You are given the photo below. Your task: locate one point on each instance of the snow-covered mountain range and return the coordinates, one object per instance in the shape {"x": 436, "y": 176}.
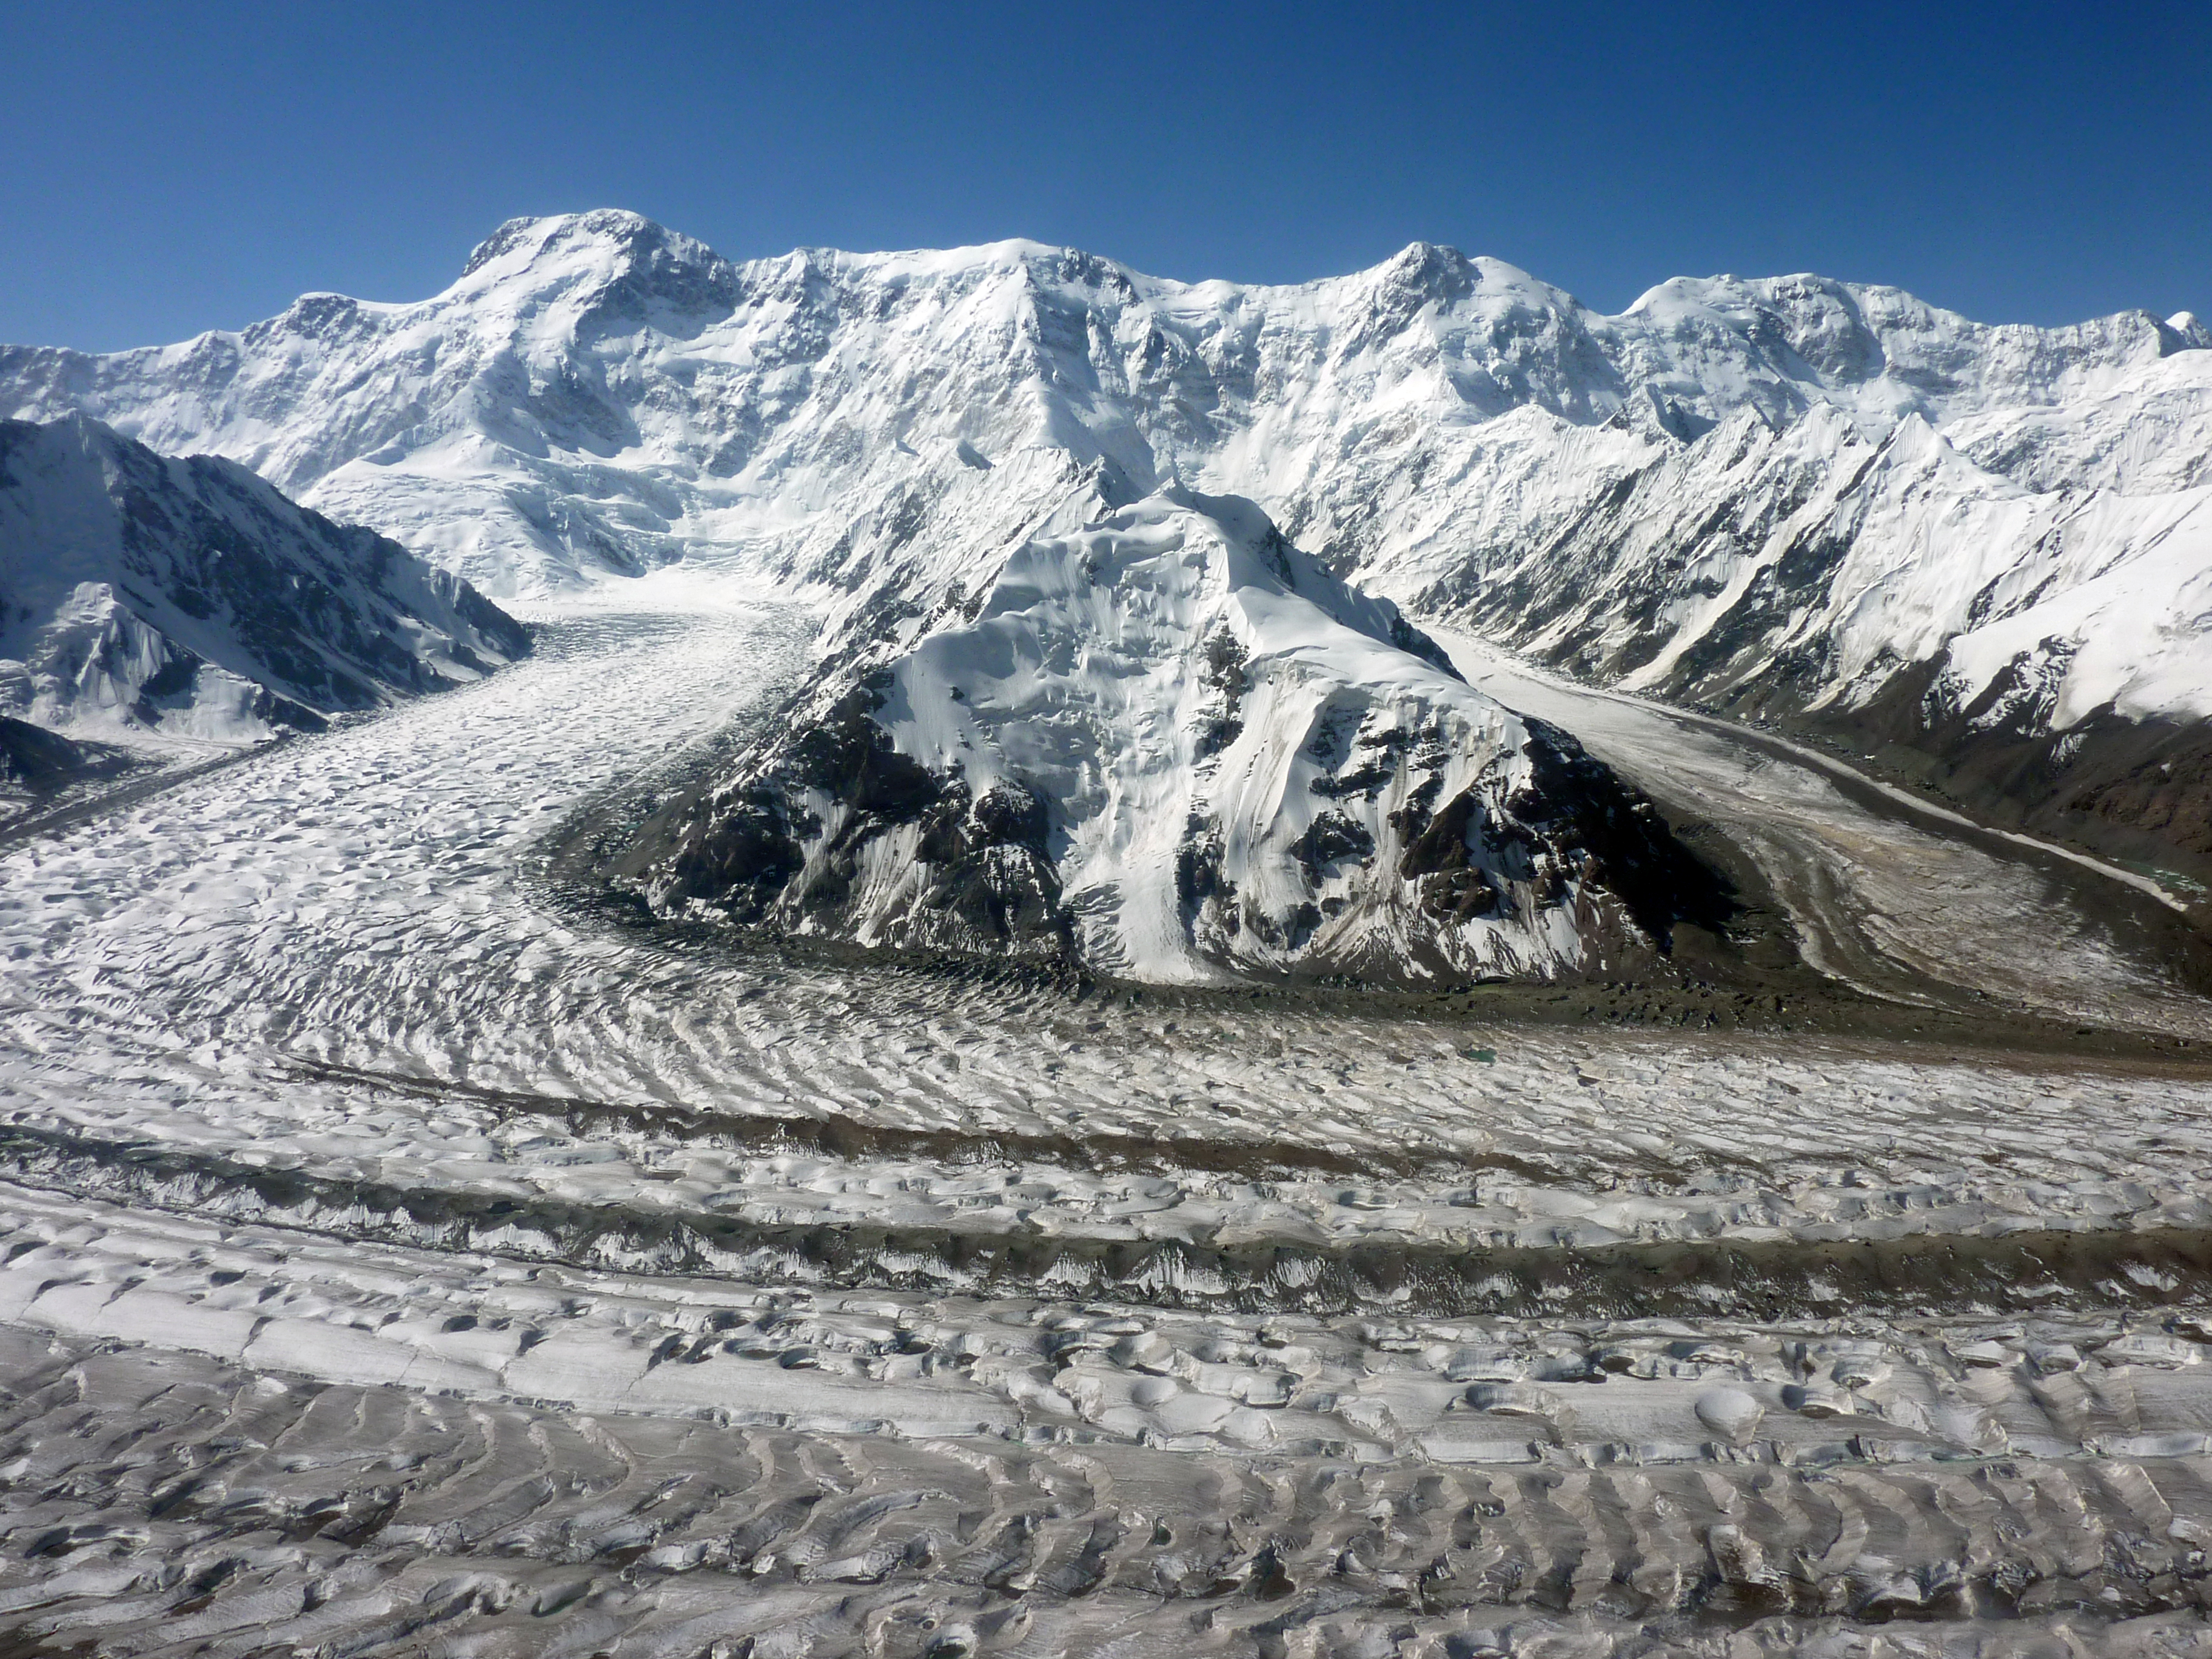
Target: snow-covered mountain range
{"x": 142, "y": 594}
{"x": 1815, "y": 501}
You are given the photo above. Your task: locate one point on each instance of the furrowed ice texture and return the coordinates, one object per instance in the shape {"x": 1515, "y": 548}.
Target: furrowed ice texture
{"x": 1169, "y": 746}
{"x": 188, "y": 597}
{"x": 403, "y": 1251}
{"x": 396, "y": 1257}
{"x": 1822, "y": 502}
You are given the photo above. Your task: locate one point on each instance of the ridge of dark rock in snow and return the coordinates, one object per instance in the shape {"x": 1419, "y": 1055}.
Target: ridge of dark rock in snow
{"x": 1169, "y": 746}
{"x": 139, "y": 591}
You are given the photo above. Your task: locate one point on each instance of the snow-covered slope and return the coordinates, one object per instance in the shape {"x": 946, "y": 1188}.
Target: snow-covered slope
{"x": 138, "y": 592}
{"x": 2044, "y": 653}
{"x": 1169, "y": 746}
{"x": 598, "y": 394}
{"x": 1786, "y": 569}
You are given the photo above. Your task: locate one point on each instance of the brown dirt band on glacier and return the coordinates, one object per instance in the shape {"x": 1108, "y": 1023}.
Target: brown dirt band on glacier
{"x": 2027, "y": 1270}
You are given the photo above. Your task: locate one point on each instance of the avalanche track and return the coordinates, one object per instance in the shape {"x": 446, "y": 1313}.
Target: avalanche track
{"x": 400, "y": 1257}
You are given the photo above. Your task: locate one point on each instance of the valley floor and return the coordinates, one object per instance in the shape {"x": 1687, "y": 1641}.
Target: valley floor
{"x": 403, "y": 1256}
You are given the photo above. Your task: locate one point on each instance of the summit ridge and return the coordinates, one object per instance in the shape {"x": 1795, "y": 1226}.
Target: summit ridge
{"x": 1795, "y": 499}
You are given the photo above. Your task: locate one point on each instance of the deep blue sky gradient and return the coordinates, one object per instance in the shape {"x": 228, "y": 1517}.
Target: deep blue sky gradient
{"x": 171, "y": 167}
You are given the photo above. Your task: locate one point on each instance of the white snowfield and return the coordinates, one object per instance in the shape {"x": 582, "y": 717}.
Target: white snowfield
{"x": 598, "y": 394}
{"x": 188, "y": 601}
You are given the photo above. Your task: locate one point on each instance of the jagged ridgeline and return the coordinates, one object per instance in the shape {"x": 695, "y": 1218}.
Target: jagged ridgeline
{"x": 1167, "y": 745}
{"x": 1978, "y": 548}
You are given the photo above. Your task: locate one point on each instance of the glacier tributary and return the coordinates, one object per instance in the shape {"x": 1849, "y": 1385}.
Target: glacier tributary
{"x": 1885, "y": 892}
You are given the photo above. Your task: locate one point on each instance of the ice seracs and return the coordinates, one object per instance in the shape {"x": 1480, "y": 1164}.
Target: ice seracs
{"x": 1169, "y": 746}
{"x": 140, "y": 593}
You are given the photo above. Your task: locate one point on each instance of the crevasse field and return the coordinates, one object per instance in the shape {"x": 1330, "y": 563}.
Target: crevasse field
{"x": 406, "y": 1252}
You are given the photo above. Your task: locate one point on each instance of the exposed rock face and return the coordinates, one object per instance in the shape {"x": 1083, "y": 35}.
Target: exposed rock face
{"x": 33, "y": 759}
{"x": 37, "y": 765}
{"x": 1169, "y": 746}
{"x": 189, "y": 596}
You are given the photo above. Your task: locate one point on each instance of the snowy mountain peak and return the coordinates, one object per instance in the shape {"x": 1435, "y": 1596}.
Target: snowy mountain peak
{"x": 591, "y": 272}
{"x": 603, "y": 234}
{"x": 1444, "y": 273}
{"x": 1169, "y": 746}
{"x": 598, "y": 394}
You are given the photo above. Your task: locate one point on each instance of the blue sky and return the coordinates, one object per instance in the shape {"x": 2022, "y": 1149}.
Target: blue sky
{"x": 176, "y": 167}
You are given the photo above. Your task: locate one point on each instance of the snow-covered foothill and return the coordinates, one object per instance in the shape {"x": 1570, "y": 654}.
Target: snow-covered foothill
{"x": 1170, "y": 747}
{"x": 142, "y": 594}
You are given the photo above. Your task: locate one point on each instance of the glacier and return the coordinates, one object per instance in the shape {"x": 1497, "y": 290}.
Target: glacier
{"x": 398, "y": 1249}
{"x": 408, "y": 1241}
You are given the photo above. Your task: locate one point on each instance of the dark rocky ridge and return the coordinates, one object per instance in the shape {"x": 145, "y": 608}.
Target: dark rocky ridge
{"x": 125, "y": 574}
{"x": 36, "y": 760}
{"x": 754, "y": 852}
{"x": 2139, "y": 792}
